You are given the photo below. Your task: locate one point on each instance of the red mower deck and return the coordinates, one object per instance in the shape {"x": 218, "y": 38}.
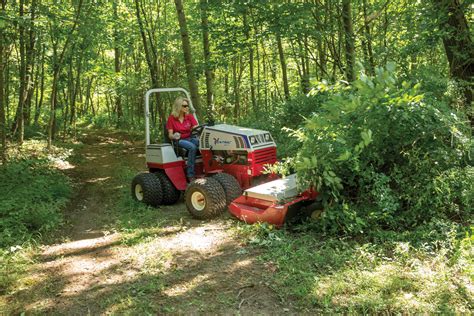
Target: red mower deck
{"x": 269, "y": 202}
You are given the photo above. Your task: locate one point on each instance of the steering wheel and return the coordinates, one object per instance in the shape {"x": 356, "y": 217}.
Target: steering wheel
{"x": 197, "y": 130}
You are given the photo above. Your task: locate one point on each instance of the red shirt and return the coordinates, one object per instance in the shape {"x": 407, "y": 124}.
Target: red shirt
{"x": 183, "y": 128}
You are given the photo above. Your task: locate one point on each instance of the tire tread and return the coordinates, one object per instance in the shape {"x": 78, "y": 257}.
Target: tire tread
{"x": 231, "y": 186}
{"x": 215, "y": 197}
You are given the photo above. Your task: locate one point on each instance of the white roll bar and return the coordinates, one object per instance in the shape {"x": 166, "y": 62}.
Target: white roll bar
{"x": 147, "y": 107}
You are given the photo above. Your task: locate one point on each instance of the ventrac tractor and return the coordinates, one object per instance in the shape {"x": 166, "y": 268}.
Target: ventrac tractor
{"x": 229, "y": 172}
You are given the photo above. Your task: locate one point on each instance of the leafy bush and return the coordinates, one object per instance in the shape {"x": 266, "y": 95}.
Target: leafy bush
{"x": 383, "y": 158}
{"x": 32, "y": 196}
{"x": 288, "y": 115}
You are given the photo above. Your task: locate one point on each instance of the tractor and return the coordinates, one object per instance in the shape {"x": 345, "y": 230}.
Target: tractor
{"x": 229, "y": 173}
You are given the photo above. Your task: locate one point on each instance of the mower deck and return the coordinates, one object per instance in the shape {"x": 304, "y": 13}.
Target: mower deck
{"x": 277, "y": 190}
{"x": 268, "y": 202}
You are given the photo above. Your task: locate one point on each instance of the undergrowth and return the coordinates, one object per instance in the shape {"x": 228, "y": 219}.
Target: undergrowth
{"x": 424, "y": 271}
{"x": 34, "y": 193}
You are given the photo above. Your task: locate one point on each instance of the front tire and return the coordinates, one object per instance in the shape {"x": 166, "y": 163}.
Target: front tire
{"x": 205, "y": 198}
{"x": 231, "y": 186}
{"x": 146, "y": 188}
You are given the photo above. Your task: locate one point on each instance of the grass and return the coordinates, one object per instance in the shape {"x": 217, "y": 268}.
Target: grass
{"x": 337, "y": 275}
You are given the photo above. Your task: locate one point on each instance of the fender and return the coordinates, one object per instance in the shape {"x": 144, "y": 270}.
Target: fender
{"x": 177, "y": 177}
{"x": 174, "y": 171}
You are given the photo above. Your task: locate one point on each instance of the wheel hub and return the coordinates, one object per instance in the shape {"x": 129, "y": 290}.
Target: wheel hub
{"x": 139, "y": 192}
{"x": 198, "y": 201}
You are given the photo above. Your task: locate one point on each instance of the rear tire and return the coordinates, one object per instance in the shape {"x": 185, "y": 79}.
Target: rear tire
{"x": 146, "y": 188}
{"x": 231, "y": 186}
{"x": 205, "y": 198}
{"x": 170, "y": 193}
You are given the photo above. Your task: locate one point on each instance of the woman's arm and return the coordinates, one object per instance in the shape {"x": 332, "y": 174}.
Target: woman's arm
{"x": 170, "y": 133}
{"x": 194, "y": 123}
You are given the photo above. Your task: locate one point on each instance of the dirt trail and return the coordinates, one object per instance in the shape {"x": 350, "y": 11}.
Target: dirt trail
{"x": 185, "y": 266}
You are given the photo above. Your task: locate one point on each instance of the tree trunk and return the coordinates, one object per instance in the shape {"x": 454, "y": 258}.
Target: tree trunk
{"x": 151, "y": 62}
{"x": 284, "y": 75}
{"x": 57, "y": 65}
{"x": 30, "y": 63}
{"x": 368, "y": 40}
{"x": 349, "y": 39}
{"x": 193, "y": 87}
{"x": 207, "y": 59}
{"x": 76, "y": 90}
{"x": 117, "y": 53}
{"x": 251, "y": 65}
{"x": 305, "y": 86}
{"x": 41, "y": 89}
{"x": 459, "y": 48}
{"x": 18, "y": 124}
{"x": 3, "y": 131}
{"x": 235, "y": 90}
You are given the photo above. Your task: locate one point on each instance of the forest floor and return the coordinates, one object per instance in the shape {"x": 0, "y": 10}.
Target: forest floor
{"x": 114, "y": 256}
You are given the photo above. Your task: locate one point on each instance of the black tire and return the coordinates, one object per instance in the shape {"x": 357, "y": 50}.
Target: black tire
{"x": 170, "y": 193}
{"x": 231, "y": 186}
{"x": 146, "y": 188}
{"x": 205, "y": 198}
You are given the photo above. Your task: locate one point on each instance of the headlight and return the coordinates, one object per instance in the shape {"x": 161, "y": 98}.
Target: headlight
{"x": 253, "y": 140}
{"x": 268, "y": 137}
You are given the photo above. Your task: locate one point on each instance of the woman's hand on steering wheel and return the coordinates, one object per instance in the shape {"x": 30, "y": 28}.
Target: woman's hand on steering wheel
{"x": 197, "y": 130}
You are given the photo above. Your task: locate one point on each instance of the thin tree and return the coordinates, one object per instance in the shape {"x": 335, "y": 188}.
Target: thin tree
{"x": 459, "y": 48}
{"x": 348, "y": 39}
{"x": 207, "y": 57}
{"x": 57, "y": 66}
{"x": 284, "y": 75}
{"x": 117, "y": 66}
{"x": 368, "y": 40}
{"x": 151, "y": 59}
{"x": 193, "y": 87}
{"x": 3, "y": 132}
{"x": 18, "y": 124}
{"x": 251, "y": 63}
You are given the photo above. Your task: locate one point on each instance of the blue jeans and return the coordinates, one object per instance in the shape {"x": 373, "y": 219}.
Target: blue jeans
{"x": 192, "y": 146}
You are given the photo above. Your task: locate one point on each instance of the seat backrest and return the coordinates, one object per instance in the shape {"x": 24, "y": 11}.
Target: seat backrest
{"x": 166, "y": 138}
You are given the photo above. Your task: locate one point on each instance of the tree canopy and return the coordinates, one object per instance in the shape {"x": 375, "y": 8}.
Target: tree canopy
{"x": 68, "y": 62}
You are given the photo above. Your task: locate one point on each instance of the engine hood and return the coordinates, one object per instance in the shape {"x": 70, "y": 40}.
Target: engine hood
{"x": 231, "y": 137}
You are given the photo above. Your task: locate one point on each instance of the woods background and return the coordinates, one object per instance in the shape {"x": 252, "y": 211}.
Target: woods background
{"x": 64, "y": 62}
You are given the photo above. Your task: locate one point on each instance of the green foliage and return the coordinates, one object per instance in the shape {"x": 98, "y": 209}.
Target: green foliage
{"x": 288, "y": 116}
{"x": 382, "y": 158}
{"x": 33, "y": 194}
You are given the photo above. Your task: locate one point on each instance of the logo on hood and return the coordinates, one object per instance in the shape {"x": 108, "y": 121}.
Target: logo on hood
{"x": 217, "y": 141}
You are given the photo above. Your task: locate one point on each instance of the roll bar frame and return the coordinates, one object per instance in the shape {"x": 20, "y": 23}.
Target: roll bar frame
{"x": 147, "y": 107}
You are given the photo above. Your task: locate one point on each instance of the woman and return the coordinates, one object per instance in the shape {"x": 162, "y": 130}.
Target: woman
{"x": 179, "y": 126}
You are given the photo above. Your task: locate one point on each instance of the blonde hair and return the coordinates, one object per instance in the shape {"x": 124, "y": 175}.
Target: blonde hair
{"x": 178, "y": 105}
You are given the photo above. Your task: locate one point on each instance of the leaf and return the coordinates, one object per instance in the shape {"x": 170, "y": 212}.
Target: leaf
{"x": 346, "y": 155}
{"x": 366, "y": 137}
{"x": 391, "y": 66}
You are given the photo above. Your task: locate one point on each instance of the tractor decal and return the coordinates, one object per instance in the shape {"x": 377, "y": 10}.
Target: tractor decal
{"x": 217, "y": 141}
